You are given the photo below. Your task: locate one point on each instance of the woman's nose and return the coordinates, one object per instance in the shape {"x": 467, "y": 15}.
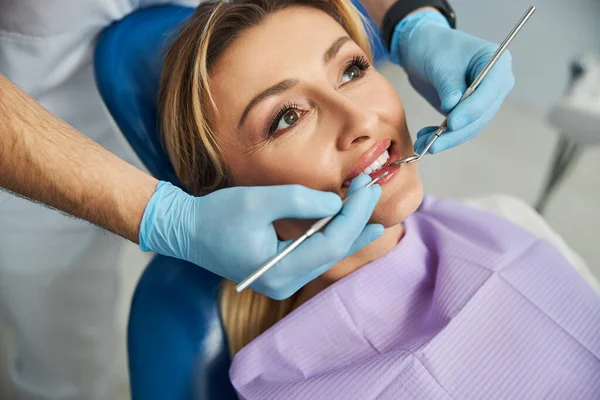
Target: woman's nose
{"x": 356, "y": 122}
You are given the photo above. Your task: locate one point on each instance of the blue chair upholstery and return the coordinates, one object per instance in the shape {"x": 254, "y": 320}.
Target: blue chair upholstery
{"x": 128, "y": 63}
{"x": 176, "y": 344}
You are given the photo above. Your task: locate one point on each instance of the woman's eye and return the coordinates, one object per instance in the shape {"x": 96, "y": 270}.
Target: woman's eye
{"x": 351, "y": 73}
{"x": 288, "y": 119}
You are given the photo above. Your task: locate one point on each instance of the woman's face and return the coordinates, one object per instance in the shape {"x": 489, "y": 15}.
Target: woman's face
{"x": 299, "y": 103}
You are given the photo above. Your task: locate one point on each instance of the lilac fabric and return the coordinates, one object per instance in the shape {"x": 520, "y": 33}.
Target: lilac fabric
{"x": 466, "y": 306}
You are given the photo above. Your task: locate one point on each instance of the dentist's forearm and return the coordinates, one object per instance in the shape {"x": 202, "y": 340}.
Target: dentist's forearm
{"x": 46, "y": 160}
{"x": 378, "y": 8}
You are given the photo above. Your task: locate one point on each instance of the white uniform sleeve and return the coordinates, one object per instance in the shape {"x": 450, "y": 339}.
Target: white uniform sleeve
{"x": 520, "y": 213}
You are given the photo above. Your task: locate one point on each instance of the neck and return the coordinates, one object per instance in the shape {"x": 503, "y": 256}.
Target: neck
{"x": 376, "y": 249}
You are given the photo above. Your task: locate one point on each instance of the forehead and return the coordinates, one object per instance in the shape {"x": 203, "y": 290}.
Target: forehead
{"x": 287, "y": 44}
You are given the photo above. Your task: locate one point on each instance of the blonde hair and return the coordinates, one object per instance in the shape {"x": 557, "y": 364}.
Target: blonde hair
{"x": 187, "y": 110}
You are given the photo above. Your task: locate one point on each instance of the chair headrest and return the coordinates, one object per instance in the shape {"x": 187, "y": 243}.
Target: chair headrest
{"x": 128, "y": 63}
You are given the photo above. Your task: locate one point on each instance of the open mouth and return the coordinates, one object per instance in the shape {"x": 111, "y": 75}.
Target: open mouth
{"x": 378, "y": 166}
{"x": 378, "y": 163}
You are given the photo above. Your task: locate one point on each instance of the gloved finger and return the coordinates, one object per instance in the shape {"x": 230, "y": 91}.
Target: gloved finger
{"x": 334, "y": 242}
{"x": 369, "y": 234}
{"x": 450, "y": 85}
{"x": 451, "y": 139}
{"x": 345, "y": 228}
{"x": 423, "y": 137}
{"x": 322, "y": 248}
{"x": 358, "y": 182}
{"x": 496, "y": 85}
{"x": 295, "y": 201}
{"x": 426, "y": 89}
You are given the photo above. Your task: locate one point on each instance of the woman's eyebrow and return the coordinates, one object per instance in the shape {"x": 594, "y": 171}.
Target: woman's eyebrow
{"x": 272, "y": 91}
{"x": 334, "y": 49}
{"x": 287, "y": 84}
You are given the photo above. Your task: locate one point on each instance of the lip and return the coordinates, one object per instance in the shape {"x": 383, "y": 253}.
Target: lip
{"x": 394, "y": 156}
{"x": 368, "y": 157}
{"x": 391, "y": 171}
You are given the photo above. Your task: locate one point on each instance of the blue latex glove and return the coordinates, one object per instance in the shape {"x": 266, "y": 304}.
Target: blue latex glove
{"x": 441, "y": 62}
{"x": 230, "y": 232}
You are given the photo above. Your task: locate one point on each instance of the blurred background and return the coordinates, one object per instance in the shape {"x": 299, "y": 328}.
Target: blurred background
{"x": 511, "y": 156}
{"x": 559, "y": 31}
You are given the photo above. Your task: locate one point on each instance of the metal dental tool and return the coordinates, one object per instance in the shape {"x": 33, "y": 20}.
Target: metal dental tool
{"x": 416, "y": 157}
{"x": 316, "y": 227}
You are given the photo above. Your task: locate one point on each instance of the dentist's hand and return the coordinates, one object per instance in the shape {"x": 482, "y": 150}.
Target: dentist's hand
{"x": 441, "y": 63}
{"x": 230, "y": 232}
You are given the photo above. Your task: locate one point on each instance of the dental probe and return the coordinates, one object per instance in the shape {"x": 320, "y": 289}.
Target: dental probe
{"x": 416, "y": 157}
{"x": 316, "y": 227}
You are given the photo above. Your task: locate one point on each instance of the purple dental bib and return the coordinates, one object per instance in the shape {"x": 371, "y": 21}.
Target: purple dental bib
{"x": 466, "y": 306}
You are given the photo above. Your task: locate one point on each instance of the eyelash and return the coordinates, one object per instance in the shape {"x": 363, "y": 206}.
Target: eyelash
{"x": 360, "y": 62}
{"x": 279, "y": 115}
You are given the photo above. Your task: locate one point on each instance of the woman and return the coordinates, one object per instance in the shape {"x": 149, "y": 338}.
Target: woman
{"x": 305, "y": 106}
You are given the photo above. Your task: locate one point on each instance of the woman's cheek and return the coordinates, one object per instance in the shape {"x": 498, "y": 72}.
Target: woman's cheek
{"x": 394, "y": 111}
{"x": 283, "y": 170}
{"x": 387, "y": 103}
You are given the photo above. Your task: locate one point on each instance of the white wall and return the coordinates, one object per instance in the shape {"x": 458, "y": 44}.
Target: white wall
{"x": 557, "y": 32}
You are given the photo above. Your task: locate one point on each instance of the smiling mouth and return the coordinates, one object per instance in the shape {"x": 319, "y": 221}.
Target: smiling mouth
{"x": 380, "y": 165}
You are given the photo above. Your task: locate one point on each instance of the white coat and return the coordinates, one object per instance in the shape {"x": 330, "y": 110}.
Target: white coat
{"x": 57, "y": 275}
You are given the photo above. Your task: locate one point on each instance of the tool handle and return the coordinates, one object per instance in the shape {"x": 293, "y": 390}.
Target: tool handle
{"x": 259, "y": 272}
{"x": 501, "y": 49}
{"x": 316, "y": 227}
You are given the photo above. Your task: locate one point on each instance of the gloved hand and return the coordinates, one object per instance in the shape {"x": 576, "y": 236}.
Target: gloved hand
{"x": 230, "y": 232}
{"x": 441, "y": 62}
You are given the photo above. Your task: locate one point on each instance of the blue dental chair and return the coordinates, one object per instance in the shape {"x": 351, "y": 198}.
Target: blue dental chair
{"x": 176, "y": 343}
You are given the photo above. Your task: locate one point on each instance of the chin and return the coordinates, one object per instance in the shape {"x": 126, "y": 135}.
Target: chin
{"x": 399, "y": 199}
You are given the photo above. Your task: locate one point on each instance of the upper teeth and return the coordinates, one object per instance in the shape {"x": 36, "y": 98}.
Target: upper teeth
{"x": 377, "y": 164}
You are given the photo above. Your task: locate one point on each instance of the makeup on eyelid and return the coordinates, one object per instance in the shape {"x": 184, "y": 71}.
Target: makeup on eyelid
{"x": 358, "y": 64}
